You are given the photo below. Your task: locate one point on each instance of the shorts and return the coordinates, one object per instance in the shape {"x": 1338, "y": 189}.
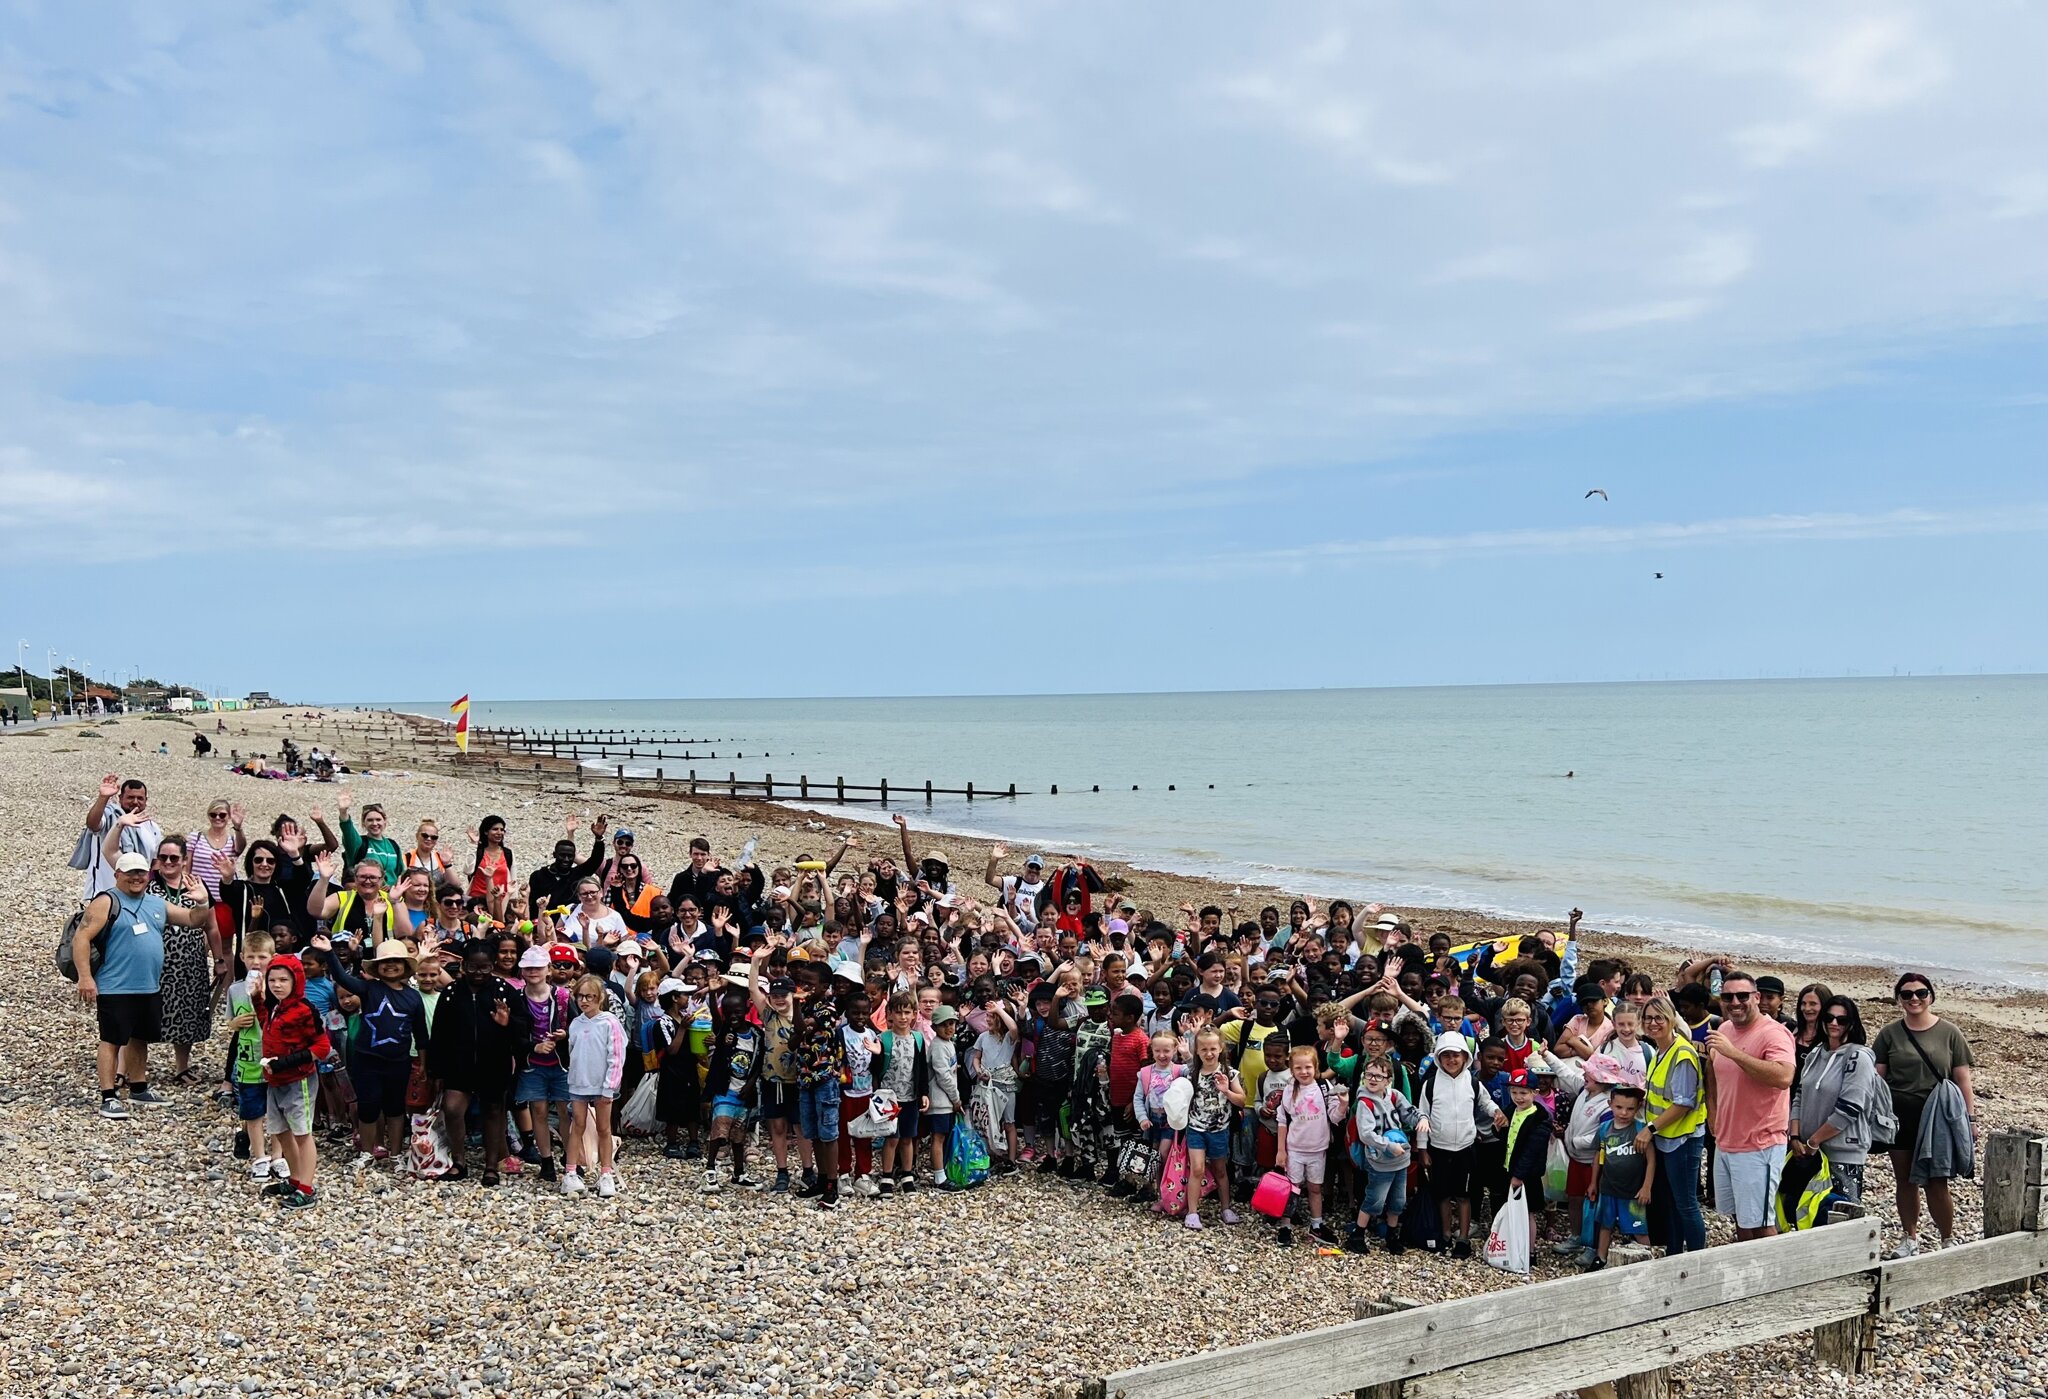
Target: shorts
{"x": 590, "y": 1099}
{"x": 1578, "y": 1180}
{"x": 727, "y": 1105}
{"x": 542, "y": 1083}
{"x": 1450, "y": 1173}
{"x": 817, "y": 1111}
{"x": 252, "y": 1100}
{"x": 127, "y": 1018}
{"x": 907, "y": 1118}
{"x": 380, "y": 1087}
{"x": 1214, "y": 1146}
{"x": 1306, "y": 1169}
{"x": 777, "y": 1101}
{"x": 936, "y": 1124}
{"x": 1625, "y": 1217}
{"x": 1908, "y": 1135}
{"x": 1386, "y": 1192}
{"x": 1746, "y": 1185}
{"x": 1041, "y": 1104}
{"x": 289, "y": 1109}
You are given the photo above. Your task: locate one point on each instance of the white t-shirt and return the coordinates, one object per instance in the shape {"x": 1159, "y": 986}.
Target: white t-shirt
{"x": 604, "y": 929}
{"x": 1021, "y": 899}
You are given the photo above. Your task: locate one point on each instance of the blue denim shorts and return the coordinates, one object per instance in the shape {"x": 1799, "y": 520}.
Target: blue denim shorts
{"x": 1386, "y": 1192}
{"x": 1215, "y": 1146}
{"x": 817, "y": 1111}
{"x": 542, "y": 1083}
{"x": 252, "y": 1100}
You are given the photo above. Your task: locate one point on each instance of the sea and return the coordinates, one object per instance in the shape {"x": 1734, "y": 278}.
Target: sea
{"x": 1894, "y": 821}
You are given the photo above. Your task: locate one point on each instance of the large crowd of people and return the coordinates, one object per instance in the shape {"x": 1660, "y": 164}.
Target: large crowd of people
{"x": 838, "y": 1029}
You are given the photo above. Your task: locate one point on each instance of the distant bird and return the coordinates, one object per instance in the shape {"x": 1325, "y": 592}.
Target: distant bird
{"x": 1596, "y": 491}
{"x": 1656, "y": 575}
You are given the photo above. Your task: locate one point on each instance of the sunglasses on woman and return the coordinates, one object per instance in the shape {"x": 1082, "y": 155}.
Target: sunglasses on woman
{"x": 1916, "y": 993}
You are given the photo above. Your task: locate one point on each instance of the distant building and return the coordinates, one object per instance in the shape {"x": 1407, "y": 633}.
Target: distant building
{"x": 260, "y": 698}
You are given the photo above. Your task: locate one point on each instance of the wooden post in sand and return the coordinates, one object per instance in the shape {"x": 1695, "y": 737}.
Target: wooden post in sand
{"x": 1849, "y": 1345}
{"x": 1384, "y": 1305}
{"x": 2015, "y": 1192}
{"x": 1650, "y": 1384}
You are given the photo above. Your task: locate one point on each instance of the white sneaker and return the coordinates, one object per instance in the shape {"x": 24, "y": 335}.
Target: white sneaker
{"x": 572, "y": 1183}
{"x": 867, "y": 1187}
{"x": 280, "y": 1169}
{"x": 710, "y": 1185}
{"x": 939, "y": 1179}
{"x": 259, "y": 1169}
{"x": 1565, "y": 1246}
{"x": 607, "y": 1185}
{"x": 363, "y": 1161}
{"x": 1906, "y": 1249}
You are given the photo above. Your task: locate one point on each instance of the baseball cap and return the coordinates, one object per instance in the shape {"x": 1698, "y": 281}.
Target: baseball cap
{"x": 630, "y": 947}
{"x": 1127, "y": 906}
{"x": 622, "y": 833}
{"x": 533, "y": 957}
{"x": 1520, "y": 1079}
{"x": 1035, "y": 862}
{"x": 559, "y": 953}
{"x": 945, "y": 1015}
{"x": 780, "y": 986}
{"x": 705, "y": 954}
{"x": 669, "y": 985}
{"x": 1451, "y": 1042}
{"x": 130, "y": 863}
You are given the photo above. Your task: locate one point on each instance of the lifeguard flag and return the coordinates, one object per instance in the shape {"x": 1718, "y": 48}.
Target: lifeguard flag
{"x": 460, "y": 709}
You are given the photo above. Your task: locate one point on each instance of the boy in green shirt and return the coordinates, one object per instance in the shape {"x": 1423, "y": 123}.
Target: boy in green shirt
{"x": 245, "y": 1053}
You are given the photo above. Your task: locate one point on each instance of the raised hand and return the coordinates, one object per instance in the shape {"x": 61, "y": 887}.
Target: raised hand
{"x": 319, "y": 816}
{"x": 721, "y": 917}
{"x": 600, "y": 825}
{"x": 322, "y": 941}
{"x": 898, "y": 817}
{"x": 570, "y": 823}
{"x": 501, "y": 1013}
{"x": 223, "y": 865}
{"x": 291, "y": 842}
{"x": 998, "y": 851}
{"x": 343, "y": 800}
{"x": 137, "y": 818}
{"x": 325, "y": 864}
{"x": 109, "y": 785}
{"x": 236, "y": 814}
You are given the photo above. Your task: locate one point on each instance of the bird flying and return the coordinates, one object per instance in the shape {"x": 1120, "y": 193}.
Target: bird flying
{"x": 1596, "y": 491}
{"x": 1657, "y": 575}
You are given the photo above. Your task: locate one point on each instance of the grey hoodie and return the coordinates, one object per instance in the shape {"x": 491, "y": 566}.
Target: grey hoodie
{"x": 1834, "y": 1091}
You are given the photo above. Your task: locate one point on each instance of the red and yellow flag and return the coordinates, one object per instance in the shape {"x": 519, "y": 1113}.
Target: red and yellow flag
{"x": 460, "y": 709}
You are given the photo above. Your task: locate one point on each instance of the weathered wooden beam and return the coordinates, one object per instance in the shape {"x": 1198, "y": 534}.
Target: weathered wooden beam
{"x": 1384, "y": 1305}
{"x": 1312, "y": 1364}
{"x": 1930, "y": 1277}
{"x": 1847, "y": 1346}
{"x": 1610, "y": 1355}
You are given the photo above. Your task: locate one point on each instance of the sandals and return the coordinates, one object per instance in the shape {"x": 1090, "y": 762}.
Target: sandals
{"x": 186, "y": 1075}
{"x": 490, "y": 1178}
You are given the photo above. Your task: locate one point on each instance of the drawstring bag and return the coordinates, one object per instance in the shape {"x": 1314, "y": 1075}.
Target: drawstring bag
{"x": 637, "y": 1114}
{"x": 1173, "y": 1176}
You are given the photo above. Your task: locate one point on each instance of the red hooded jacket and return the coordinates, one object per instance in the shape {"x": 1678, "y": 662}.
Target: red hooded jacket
{"x": 294, "y": 1040}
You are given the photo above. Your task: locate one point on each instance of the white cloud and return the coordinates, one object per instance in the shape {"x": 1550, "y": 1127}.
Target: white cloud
{"x": 1640, "y": 313}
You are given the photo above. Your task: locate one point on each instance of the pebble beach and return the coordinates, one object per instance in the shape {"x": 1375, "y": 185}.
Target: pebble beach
{"x": 135, "y": 1258}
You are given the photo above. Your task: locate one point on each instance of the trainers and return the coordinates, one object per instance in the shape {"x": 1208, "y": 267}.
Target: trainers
{"x": 1323, "y": 1233}
{"x": 529, "y": 1152}
{"x": 743, "y": 1181}
{"x": 866, "y": 1186}
{"x": 299, "y": 1200}
{"x": 1285, "y": 1237}
{"x": 781, "y": 1185}
{"x": 112, "y": 1108}
{"x": 1396, "y": 1245}
{"x": 572, "y": 1184}
{"x": 676, "y": 1151}
{"x": 380, "y": 1152}
{"x": 281, "y": 1186}
{"x": 1565, "y": 1246}
{"x": 1193, "y": 1221}
{"x": 1906, "y": 1249}
{"x": 241, "y": 1143}
{"x": 147, "y": 1097}
{"x": 906, "y": 1183}
{"x": 362, "y": 1161}
{"x": 693, "y": 1152}
{"x": 1462, "y": 1249}
{"x": 939, "y": 1180}
{"x": 1230, "y": 1216}
{"x": 607, "y": 1184}
{"x": 828, "y": 1202}
{"x": 811, "y": 1179}
{"x": 1356, "y": 1242}
{"x": 885, "y": 1186}
{"x": 810, "y": 1189}
{"x": 259, "y": 1169}
{"x": 547, "y": 1170}
{"x": 710, "y": 1185}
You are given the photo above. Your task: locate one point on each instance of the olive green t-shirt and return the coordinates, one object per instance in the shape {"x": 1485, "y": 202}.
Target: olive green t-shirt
{"x": 1906, "y": 1071}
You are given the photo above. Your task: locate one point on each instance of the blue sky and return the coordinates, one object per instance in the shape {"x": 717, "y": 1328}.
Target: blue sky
{"x": 651, "y": 349}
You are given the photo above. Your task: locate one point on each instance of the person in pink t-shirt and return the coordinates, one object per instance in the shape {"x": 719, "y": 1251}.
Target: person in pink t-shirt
{"x": 1751, "y": 1062}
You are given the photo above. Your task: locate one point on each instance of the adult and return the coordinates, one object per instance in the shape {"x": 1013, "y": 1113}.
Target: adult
{"x": 932, "y": 871}
{"x": 553, "y": 885}
{"x": 190, "y": 956}
{"x": 222, "y": 835}
{"x": 426, "y": 853}
{"x": 1770, "y": 1000}
{"x": 1749, "y": 1100}
{"x": 116, "y": 800}
{"x": 257, "y": 903}
{"x": 1017, "y": 893}
{"x": 365, "y": 909}
{"x": 127, "y": 923}
{"x": 1676, "y": 1100}
{"x": 369, "y": 843}
{"x": 490, "y": 873}
{"x": 1917, "y": 1054}
{"x": 696, "y": 881}
{"x": 1808, "y": 1033}
{"x": 1831, "y": 1106}
{"x": 591, "y": 923}
{"x": 630, "y": 893}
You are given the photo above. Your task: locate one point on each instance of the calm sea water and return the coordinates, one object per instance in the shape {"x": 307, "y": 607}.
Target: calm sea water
{"x": 1895, "y": 820}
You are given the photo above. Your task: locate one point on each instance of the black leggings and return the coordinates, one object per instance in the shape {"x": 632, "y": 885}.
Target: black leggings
{"x": 380, "y": 1087}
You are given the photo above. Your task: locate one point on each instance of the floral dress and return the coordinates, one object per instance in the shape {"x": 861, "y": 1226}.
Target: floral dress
{"x": 188, "y": 973}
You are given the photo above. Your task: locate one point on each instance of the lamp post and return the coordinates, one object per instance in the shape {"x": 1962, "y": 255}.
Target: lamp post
{"x": 52, "y": 686}
{"x": 70, "y": 665}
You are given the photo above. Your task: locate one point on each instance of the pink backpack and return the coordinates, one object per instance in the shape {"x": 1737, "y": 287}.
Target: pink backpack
{"x": 1173, "y": 1177}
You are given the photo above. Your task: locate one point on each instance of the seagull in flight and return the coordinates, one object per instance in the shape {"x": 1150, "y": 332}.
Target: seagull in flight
{"x": 1595, "y": 491}
{"x": 1656, "y": 575}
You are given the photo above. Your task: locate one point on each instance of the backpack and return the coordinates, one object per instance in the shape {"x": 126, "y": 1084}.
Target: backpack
{"x": 67, "y": 964}
{"x": 1884, "y": 1118}
{"x": 1806, "y": 1193}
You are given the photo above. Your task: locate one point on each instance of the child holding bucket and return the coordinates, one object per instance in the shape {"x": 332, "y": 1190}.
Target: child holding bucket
{"x": 1303, "y": 1119}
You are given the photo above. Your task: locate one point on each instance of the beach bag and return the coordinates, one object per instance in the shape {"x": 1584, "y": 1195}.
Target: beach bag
{"x": 1135, "y": 1163}
{"x": 1507, "y": 1242}
{"x": 1422, "y": 1224}
{"x": 419, "y": 1088}
{"x": 427, "y": 1156}
{"x": 966, "y": 1156}
{"x": 1173, "y": 1176}
{"x": 879, "y": 1120}
{"x": 1179, "y": 1097}
{"x": 1806, "y": 1193}
{"x": 1556, "y": 1170}
{"x": 67, "y": 966}
{"x": 637, "y": 1114}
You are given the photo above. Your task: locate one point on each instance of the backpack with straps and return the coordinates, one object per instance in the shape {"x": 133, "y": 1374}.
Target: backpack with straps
{"x": 67, "y": 964}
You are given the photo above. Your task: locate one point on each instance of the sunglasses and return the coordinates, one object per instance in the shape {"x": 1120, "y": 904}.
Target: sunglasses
{"x": 1837, "y": 1019}
{"x": 626, "y": 867}
{"x": 255, "y": 860}
{"x": 428, "y": 837}
{"x": 1916, "y": 994}
{"x": 169, "y": 859}
{"x": 455, "y": 899}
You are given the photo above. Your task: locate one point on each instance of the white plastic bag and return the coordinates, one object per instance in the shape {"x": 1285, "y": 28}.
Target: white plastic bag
{"x": 636, "y": 1114}
{"x": 427, "y": 1156}
{"x": 878, "y": 1120}
{"x": 1507, "y": 1243}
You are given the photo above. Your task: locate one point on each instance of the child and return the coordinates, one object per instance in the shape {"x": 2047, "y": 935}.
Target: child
{"x": 942, "y": 1069}
{"x": 245, "y": 1055}
{"x": 1129, "y": 1047}
{"x": 544, "y": 1082}
{"x": 904, "y": 1069}
{"x": 1452, "y": 1105}
{"x": 731, "y": 1086}
{"x": 1383, "y": 1118}
{"x": 294, "y": 1041}
{"x": 1623, "y": 1175}
{"x": 394, "y": 1019}
{"x": 993, "y": 1064}
{"x": 1627, "y": 1047}
{"x": 817, "y": 1042}
{"x": 1303, "y": 1119}
{"x": 476, "y": 1049}
{"x": 1148, "y": 1099}
{"x": 1489, "y": 1153}
{"x": 1528, "y": 1143}
{"x": 1582, "y": 1151}
{"x": 863, "y": 1045}
{"x": 1218, "y": 1093}
{"x": 337, "y": 1099}
{"x": 665, "y": 1049}
{"x": 597, "y": 1061}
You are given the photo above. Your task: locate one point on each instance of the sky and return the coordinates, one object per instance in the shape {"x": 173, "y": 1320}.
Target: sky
{"x": 872, "y": 347}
